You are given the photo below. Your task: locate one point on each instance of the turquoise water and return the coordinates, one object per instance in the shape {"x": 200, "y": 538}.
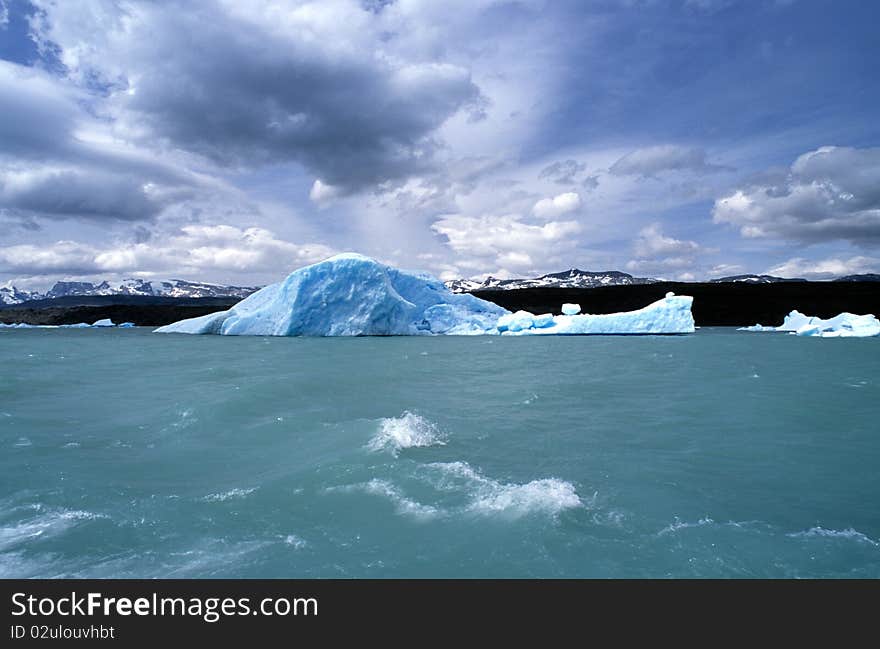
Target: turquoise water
{"x": 719, "y": 454}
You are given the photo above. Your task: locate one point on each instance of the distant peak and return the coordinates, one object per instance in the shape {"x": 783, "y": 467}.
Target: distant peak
{"x": 571, "y": 278}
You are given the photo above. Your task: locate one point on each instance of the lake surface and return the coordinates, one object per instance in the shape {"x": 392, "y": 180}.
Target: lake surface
{"x": 719, "y": 454}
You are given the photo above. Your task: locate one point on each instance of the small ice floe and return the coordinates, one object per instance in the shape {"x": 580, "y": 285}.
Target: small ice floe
{"x": 844, "y": 325}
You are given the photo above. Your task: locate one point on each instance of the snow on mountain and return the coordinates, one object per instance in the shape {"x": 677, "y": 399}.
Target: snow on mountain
{"x": 11, "y": 295}
{"x": 161, "y": 288}
{"x": 63, "y": 289}
{"x": 181, "y": 288}
{"x": 573, "y": 278}
{"x": 755, "y": 279}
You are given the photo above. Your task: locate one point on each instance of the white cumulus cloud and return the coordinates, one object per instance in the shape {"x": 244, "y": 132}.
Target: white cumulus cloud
{"x": 832, "y": 193}
{"x": 507, "y": 241}
{"x": 551, "y": 208}
{"x": 828, "y": 268}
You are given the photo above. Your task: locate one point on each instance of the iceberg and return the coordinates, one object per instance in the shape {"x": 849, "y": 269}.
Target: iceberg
{"x": 844, "y": 325}
{"x": 100, "y": 324}
{"x": 17, "y": 325}
{"x": 571, "y": 309}
{"x": 669, "y": 315}
{"x": 350, "y": 295}
{"x": 353, "y": 295}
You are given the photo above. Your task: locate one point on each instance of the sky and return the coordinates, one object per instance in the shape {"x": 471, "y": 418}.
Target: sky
{"x": 233, "y": 142}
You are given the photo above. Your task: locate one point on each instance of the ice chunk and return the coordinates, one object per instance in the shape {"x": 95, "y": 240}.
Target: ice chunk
{"x": 670, "y": 315}
{"x": 126, "y": 325}
{"x": 844, "y": 325}
{"x": 794, "y": 321}
{"x": 571, "y": 309}
{"x": 516, "y": 321}
{"x": 79, "y": 325}
{"x": 350, "y": 295}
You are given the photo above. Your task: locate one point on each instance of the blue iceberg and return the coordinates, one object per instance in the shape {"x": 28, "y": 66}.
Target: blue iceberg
{"x": 350, "y": 295}
{"x": 844, "y": 325}
{"x": 353, "y": 295}
{"x": 669, "y": 315}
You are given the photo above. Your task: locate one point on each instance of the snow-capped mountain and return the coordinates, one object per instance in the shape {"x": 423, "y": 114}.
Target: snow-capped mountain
{"x": 162, "y": 288}
{"x": 11, "y": 295}
{"x": 573, "y": 278}
{"x": 755, "y": 279}
{"x": 63, "y": 289}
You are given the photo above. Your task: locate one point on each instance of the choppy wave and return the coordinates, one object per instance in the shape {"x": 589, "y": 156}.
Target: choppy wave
{"x": 403, "y": 505}
{"x": 407, "y": 431}
{"x": 487, "y": 496}
{"x": 849, "y": 534}
{"x": 43, "y": 526}
{"x": 226, "y": 495}
{"x": 211, "y": 557}
{"x": 679, "y": 524}
{"x": 295, "y": 542}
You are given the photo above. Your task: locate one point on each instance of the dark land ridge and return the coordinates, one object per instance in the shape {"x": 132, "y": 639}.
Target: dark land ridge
{"x": 144, "y": 311}
{"x": 715, "y": 304}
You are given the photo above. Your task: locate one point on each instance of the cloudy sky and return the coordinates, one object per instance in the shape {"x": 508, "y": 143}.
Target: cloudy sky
{"x": 234, "y": 141}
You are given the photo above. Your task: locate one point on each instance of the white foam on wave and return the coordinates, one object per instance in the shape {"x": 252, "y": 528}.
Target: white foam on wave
{"x": 45, "y": 525}
{"x": 227, "y": 495}
{"x": 403, "y": 505}
{"x": 490, "y": 497}
{"x": 849, "y": 534}
{"x": 209, "y": 558}
{"x": 679, "y": 524}
{"x": 296, "y": 542}
{"x": 407, "y": 431}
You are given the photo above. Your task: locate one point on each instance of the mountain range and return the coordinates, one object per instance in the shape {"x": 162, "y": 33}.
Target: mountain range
{"x": 178, "y": 288}
{"x": 175, "y": 288}
{"x": 576, "y": 278}
{"x": 573, "y": 278}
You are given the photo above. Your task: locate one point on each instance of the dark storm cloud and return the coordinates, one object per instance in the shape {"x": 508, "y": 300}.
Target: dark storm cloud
{"x": 77, "y": 193}
{"x": 243, "y": 89}
{"x": 37, "y": 114}
{"x": 50, "y": 169}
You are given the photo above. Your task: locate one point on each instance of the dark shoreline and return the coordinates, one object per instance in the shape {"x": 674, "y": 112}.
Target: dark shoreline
{"x": 715, "y": 304}
{"x": 142, "y": 311}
